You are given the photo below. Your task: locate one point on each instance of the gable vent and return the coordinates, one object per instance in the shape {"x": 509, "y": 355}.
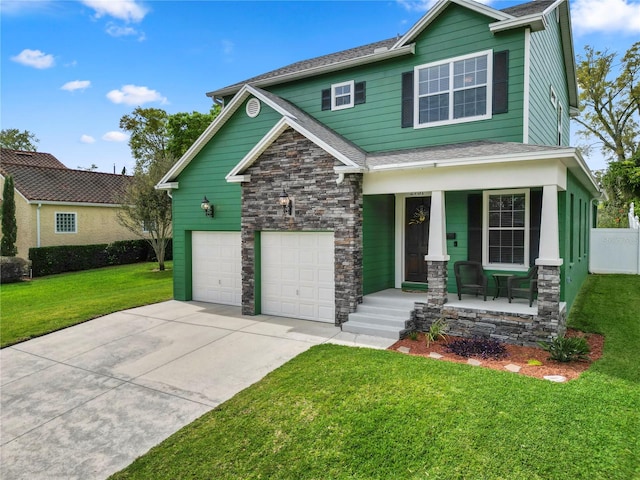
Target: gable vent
{"x": 253, "y": 107}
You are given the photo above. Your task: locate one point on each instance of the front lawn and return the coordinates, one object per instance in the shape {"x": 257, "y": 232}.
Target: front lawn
{"x": 42, "y": 305}
{"x": 341, "y": 412}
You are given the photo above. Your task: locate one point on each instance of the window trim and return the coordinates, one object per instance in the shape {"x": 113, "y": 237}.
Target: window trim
{"x": 352, "y": 94}
{"x": 75, "y": 222}
{"x": 452, "y": 121}
{"x": 527, "y": 230}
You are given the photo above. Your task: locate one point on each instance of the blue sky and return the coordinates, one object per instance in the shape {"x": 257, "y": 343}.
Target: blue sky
{"x": 71, "y": 68}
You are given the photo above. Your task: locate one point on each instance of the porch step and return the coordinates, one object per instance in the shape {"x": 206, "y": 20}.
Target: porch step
{"x": 382, "y": 314}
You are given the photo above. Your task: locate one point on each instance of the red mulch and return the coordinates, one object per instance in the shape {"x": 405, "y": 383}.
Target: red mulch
{"x": 516, "y": 355}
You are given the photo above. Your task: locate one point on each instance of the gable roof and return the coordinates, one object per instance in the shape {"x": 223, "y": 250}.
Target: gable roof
{"x": 56, "y": 184}
{"x": 36, "y": 159}
{"x": 529, "y": 14}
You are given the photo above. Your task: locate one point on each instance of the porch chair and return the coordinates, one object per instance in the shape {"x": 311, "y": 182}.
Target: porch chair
{"x": 523, "y": 286}
{"x": 470, "y": 276}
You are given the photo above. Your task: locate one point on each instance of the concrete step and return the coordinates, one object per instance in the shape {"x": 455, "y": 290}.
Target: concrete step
{"x": 368, "y": 318}
{"x": 374, "y": 330}
{"x": 403, "y": 302}
{"x": 398, "y": 312}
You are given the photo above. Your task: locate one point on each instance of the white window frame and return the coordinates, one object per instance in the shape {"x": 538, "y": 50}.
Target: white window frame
{"x": 334, "y": 95}
{"x": 450, "y": 61}
{"x": 75, "y": 222}
{"x": 485, "y": 229}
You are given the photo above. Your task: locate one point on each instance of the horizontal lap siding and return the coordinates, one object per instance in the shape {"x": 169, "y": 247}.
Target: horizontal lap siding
{"x": 205, "y": 175}
{"x": 375, "y": 125}
{"x": 378, "y": 242}
{"x": 456, "y": 208}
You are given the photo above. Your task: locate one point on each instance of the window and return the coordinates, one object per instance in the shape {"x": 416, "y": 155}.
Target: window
{"x": 66, "y": 223}
{"x": 342, "y": 95}
{"x": 506, "y": 229}
{"x": 453, "y": 91}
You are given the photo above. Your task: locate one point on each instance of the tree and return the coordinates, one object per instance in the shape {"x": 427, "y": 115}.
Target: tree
{"x": 14, "y": 139}
{"x": 185, "y": 128}
{"x": 610, "y": 113}
{"x": 149, "y": 134}
{"x": 9, "y": 227}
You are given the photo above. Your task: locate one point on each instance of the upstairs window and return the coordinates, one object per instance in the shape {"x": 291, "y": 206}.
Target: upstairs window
{"x": 66, "y": 222}
{"x": 453, "y": 91}
{"x": 343, "y": 95}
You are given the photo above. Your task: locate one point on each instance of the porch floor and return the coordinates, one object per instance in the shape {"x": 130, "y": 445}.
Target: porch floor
{"x": 519, "y": 306}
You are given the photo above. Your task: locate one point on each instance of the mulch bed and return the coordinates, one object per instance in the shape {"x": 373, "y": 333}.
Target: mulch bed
{"x": 516, "y": 355}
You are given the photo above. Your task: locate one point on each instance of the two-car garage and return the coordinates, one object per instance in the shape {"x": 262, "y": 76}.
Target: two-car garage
{"x": 297, "y": 272}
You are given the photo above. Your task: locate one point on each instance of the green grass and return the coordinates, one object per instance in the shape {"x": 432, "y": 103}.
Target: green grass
{"x": 340, "y": 412}
{"x": 34, "y": 308}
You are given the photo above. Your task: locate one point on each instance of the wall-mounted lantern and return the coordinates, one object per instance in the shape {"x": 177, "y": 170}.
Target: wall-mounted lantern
{"x": 286, "y": 203}
{"x": 207, "y": 206}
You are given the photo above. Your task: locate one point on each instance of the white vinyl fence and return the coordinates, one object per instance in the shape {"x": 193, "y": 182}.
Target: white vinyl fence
{"x": 615, "y": 250}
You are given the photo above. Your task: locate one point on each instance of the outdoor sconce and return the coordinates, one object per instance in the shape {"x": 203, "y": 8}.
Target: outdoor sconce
{"x": 286, "y": 203}
{"x": 207, "y": 207}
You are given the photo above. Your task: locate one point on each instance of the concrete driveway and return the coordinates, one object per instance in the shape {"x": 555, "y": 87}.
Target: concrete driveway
{"x": 86, "y": 401}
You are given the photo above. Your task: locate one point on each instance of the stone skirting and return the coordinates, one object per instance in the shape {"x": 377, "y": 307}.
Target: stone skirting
{"x": 306, "y": 172}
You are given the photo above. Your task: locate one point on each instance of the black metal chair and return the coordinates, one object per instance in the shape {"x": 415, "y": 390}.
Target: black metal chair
{"x": 470, "y": 277}
{"x": 523, "y": 286}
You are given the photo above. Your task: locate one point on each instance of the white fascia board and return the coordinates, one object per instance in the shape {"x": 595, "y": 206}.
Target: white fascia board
{"x": 535, "y": 21}
{"x": 238, "y": 178}
{"x": 74, "y": 204}
{"x": 438, "y": 8}
{"x": 349, "y": 169}
{"x": 204, "y": 138}
{"x": 322, "y": 69}
{"x": 167, "y": 186}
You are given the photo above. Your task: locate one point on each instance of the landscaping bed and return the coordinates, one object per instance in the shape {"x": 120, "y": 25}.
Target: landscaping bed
{"x": 533, "y": 361}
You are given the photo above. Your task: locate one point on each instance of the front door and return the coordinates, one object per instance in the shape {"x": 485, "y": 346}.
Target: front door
{"x": 417, "y": 210}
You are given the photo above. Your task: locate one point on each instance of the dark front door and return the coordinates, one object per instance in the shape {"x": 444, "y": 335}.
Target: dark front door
{"x": 416, "y": 238}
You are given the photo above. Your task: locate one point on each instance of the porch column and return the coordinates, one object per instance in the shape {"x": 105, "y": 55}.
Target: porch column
{"x": 552, "y": 320}
{"x": 437, "y": 257}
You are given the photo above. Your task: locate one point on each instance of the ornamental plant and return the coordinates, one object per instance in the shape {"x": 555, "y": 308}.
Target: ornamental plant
{"x": 436, "y": 331}
{"x": 567, "y": 349}
{"x": 477, "y": 347}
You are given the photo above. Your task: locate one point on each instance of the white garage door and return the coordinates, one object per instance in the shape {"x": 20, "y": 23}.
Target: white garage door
{"x": 216, "y": 267}
{"x": 298, "y": 275}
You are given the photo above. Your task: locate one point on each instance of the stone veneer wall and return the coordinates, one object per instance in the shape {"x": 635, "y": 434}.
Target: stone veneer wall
{"x": 527, "y": 330}
{"x": 306, "y": 173}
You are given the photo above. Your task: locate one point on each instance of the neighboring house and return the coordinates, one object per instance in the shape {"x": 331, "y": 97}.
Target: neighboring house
{"x": 59, "y": 206}
{"x": 400, "y": 158}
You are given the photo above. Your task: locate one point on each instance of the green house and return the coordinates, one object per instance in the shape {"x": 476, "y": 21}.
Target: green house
{"x": 345, "y": 188}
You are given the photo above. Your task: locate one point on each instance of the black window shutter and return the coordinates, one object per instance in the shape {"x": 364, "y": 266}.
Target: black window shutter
{"x": 326, "y": 99}
{"x": 474, "y": 227}
{"x": 407, "y": 100}
{"x": 360, "y": 95}
{"x": 535, "y": 214}
{"x": 501, "y": 82}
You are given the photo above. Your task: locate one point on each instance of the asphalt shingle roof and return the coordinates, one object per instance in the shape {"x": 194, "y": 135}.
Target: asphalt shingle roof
{"x": 36, "y": 159}
{"x": 52, "y": 181}
{"x": 530, "y": 8}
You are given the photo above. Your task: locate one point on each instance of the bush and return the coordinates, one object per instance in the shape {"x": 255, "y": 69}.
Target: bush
{"x": 12, "y": 269}
{"x": 567, "y": 349}
{"x": 477, "y": 347}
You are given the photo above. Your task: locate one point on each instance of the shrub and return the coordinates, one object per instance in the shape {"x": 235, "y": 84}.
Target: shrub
{"x": 12, "y": 269}
{"x": 477, "y": 347}
{"x": 436, "y": 331}
{"x": 567, "y": 349}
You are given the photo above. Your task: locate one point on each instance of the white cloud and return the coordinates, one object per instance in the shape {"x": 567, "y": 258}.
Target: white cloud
{"x": 606, "y": 16}
{"x": 87, "y": 139}
{"x": 76, "y": 85}
{"x": 127, "y": 10}
{"x": 118, "y": 31}
{"x": 34, "y": 58}
{"x": 115, "y": 136}
{"x": 227, "y": 47}
{"x": 135, "y": 95}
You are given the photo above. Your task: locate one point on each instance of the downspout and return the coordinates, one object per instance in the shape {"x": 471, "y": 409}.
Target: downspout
{"x": 38, "y": 225}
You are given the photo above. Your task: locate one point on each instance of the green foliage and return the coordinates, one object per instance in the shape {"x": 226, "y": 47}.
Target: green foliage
{"x": 13, "y": 269}
{"x": 9, "y": 227}
{"x": 43, "y": 305}
{"x": 413, "y": 336}
{"x": 436, "y": 331}
{"x": 185, "y": 128}
{"x": 148, "y": 135}
{"x": 567, "y": 349}
{"x": 14, "y": 139}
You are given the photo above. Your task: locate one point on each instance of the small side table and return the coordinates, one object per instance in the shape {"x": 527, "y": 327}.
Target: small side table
{"x": 501, "y": 283}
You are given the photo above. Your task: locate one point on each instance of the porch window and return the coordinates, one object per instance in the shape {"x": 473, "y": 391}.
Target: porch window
{"x": 453, "y": 91}
{"x": 66, "y": 222}
{"x": 506, "y": 228}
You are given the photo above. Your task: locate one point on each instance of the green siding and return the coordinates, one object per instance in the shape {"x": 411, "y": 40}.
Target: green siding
{"x": 205, "y": 176}
{"x": 456, "y": 205}
{"x": 573, "y": 273}
{"x": 378, "y": 242}
{"x": 375, "y": 125}
{"x": 546, "y": 71}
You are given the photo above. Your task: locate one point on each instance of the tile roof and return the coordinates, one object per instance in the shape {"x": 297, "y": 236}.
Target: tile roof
{"x": 530, "y": 8}
{"x": 36, "y": 159}
{"x": 55, "y": 184}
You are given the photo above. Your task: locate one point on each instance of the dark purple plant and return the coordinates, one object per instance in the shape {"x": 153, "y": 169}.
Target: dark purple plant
{"x": 477, "y": 347}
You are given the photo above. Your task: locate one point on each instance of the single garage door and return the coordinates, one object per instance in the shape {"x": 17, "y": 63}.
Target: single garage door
{"x": 216, "y": 267}
{"x": 298, "y": 275}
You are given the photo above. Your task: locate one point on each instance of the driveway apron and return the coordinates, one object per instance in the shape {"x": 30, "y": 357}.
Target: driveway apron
{"x": 86, "y": 401}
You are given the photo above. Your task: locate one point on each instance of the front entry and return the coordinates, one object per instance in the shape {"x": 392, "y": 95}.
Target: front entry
{"x": 416, "y": 243}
